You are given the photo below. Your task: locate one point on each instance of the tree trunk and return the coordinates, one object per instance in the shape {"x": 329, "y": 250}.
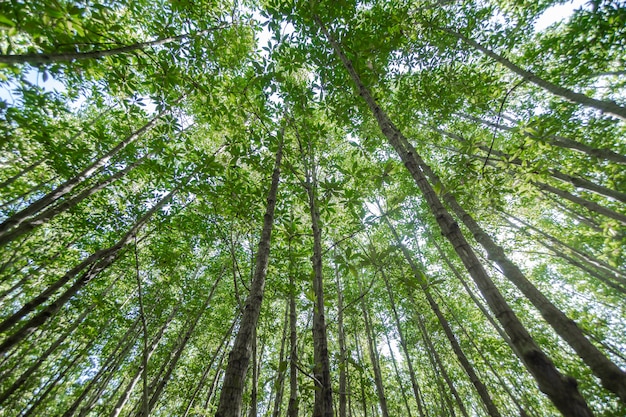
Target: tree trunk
{"x": 18, "y": 218}
{"x": 343, "y": 362}
{"x": 44, "y": 58}
{"x": 437, "y": 363}
{"x": 605, "y": 106}
{"x": 467, "y": 366}
{"x": 562, "y": 390}
{"x": 280, "y": 374}
{"x": 373, "y": 353}
{"x": 589, "y": 205}
{"x": 51, "y": 211}
{"x": 121, "y": 402}
{"x": 559, "y": 141}
{"x": 230, "y": 402}
{"x": 95, "y": 264}
{"x": 156, "y": 388}
{"x": 403, "y": 344}
{"x": 292, "y": 408}
{"x": 205, "y": 374}
{"x": 398, "y": 377}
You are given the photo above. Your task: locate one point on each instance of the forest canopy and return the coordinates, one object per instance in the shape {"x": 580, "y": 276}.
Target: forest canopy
{"x": 327, "y": 208}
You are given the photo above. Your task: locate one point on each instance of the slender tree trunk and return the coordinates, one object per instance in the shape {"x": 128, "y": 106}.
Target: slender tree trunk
{"x": 252, "y": 410}
{"x": 121, "y": 402}
{"x": 53, "y": 347}
{"x": 577, "y": 182}
{"x": 589, "y": 205}
{"x": 18, "y": 218}
{"x": 343, "y": 362}
{"x": 373, "y": 353}
{"x": 398, "y": 377}
{"x": 230, "y": 402}
{"x": 51, "y": 211}
{"x": 280, "y": 374}
{"x": 416, "y": 390}
{"x": 609, "y": 280}
{"x": 323, "y": 406}
{"x": 504, "y": 384}
{"x": 590, "y": 259}
{"x": 95, "y": 263}
{"x": 44, "y": 58}
{"x": 361, "y": 376}
{"x": 6, "y": 183}
{"x": 605, "y": 106}
{"x": 467, "y": 366}
{"x": 562, "y": 390}
{"x": 559, "y": 141}
{"x": 292, "y": 408}
{"x": 437, "y": 363}
{"x": 54, "y": 383}
{"x": 158, "y": 384}
{"x": 108, "y": 367}
{"x": 205, "y": 374}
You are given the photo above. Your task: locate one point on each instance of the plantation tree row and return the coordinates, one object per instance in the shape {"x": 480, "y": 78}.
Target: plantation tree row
{"x": 312, "y": 208}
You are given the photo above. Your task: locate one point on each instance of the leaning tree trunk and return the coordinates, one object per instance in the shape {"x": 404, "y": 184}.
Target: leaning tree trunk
{"x": 467, "y": 366}
{"x": 373, "y": 351}
{"x": 95, "y": 264}
{"x": 230, "y": 402}
{"x": 605, "y": 106}
{"x": 18, "y": 218}
{"x": 562, "y": 390}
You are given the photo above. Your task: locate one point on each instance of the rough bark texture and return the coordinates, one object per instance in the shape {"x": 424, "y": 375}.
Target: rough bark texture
{"x": 562, "y": 390}
{"x": 230, "y": 402}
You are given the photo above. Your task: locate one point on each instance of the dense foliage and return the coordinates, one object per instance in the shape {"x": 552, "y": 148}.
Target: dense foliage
{"x": 451, "y": 195}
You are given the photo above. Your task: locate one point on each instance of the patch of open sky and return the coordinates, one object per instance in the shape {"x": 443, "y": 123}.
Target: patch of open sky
{"x": 558, "y": 13}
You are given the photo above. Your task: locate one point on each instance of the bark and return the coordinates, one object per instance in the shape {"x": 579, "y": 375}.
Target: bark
{"x": 55, "y": 382}
{"x": 292, "y": 408}
{"x": 562, "y": 390}
{"x": 590, "y": 259}
{"x": 575, "y": 181}
{"x": 20, "y": 217}
{"x": 492, "y": 410}
{"x": 605, "y": 106}
{"x": 589, "y": 205}
{"x": 343, "y": 363}
{"x": 158, "y": 384}
{"x": 504, "y": 384}
{"x": 4, "y": 184}
{"x": 612, "y": 377}
{"x": 416, "y": 390}
{"x": 323, "y": 396}
{"x": 280, "y": 375}
{"x": 53, "y": 347}
{"x": 121, "y": 402}
{"x": 109, "y": 366}
{"x": 230, "y": 402}
{"x": 45, "y": 58}
{"x": 205, "y": 374}
{"x": 373, "y": 353}
{"x": 51, "y": 211}
{"x": 361, "y": 377}
{"x": 398, "y": 378}
{"x": 559, "y": 141}
{"x": 95, "y": 264}
{"x": 255, "y": 377}
{"x": 583, "y": 266}
{"x": 436, "y": 362}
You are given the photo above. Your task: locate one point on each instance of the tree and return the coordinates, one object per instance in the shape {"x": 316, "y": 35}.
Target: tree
{"x": 448, "y": 237}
